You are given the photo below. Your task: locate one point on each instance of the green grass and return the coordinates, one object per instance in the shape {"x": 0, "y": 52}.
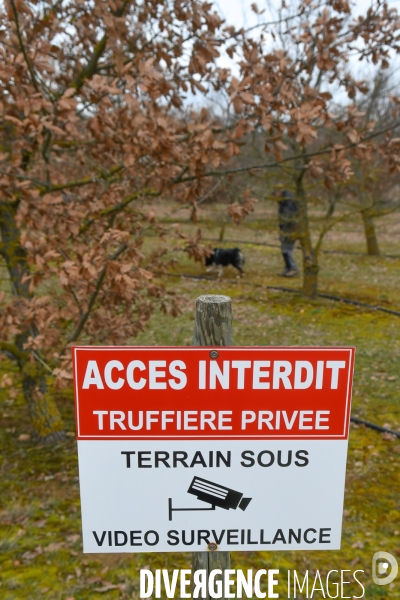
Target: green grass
{"x": 40, "y": 542}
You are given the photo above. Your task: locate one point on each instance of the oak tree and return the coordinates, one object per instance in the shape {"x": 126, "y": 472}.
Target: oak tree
{"x": 93, "y": 122}
{"x": 298, "y": 87}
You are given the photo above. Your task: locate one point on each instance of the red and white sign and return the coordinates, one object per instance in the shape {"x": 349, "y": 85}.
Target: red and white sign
{"x": 183, "y": 393}
{"x": 181, "y": 447}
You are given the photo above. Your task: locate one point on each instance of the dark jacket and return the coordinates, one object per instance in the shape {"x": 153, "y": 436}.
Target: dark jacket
{"x": 288, "y": 214}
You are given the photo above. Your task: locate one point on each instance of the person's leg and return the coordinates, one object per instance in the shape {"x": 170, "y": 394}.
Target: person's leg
{"x": 292, "y": 263}
{"x": 287, "y": 247}
{"x": 286, "y": 258}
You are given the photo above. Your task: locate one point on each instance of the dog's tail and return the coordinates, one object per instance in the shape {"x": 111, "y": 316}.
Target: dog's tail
{"x": 241, "y": 258}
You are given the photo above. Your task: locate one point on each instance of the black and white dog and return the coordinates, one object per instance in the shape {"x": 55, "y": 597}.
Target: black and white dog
{"x": 222, "y": 258}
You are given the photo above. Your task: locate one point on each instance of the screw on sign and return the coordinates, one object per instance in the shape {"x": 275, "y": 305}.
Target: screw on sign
{"x": 214, "y": 438}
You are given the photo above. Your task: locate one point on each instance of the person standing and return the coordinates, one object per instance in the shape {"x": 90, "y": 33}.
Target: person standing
{"x": 288, "y": 215}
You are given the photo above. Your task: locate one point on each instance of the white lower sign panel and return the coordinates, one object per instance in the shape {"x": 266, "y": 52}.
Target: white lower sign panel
{"x": 167, "y": 496}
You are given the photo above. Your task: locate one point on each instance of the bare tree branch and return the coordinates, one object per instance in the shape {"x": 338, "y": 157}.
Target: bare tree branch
{"x": 79, "y": 328}
{"x": 277, "y": 163}
{"x": 113, "y": 210}
{"x": 48, "y": 189}
{"x": 23, "y": 49}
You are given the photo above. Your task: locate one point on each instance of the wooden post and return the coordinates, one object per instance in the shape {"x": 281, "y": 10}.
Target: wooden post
{"x": 213, "y": 327}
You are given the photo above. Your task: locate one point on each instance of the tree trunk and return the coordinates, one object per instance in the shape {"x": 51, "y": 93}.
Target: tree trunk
{"x": 45, "y": 416}
{"x": 310, "y": 262}
{"x": 370, "y": 233}
{"x": 310, "y": 279}
{"x": 333, "y": 200}
{"x": 331, "y": 208}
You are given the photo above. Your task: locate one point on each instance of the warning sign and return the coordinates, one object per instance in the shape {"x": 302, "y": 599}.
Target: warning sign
{"x": 182, "y": 447}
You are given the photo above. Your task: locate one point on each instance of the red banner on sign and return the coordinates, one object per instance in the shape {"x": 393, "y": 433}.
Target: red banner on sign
{"x": 203, "y": 393}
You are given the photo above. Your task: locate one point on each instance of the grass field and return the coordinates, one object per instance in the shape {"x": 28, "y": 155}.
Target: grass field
{"x": 40, "y": 545}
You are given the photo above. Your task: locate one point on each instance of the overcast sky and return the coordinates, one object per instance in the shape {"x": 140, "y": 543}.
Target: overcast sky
{"x": 238, "y": 12}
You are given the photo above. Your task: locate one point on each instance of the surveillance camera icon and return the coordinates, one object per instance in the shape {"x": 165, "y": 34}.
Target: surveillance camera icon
{"x": 381, "y": 561}
{"x": 213, "y": 494}
{"x": 218, "y": 495}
